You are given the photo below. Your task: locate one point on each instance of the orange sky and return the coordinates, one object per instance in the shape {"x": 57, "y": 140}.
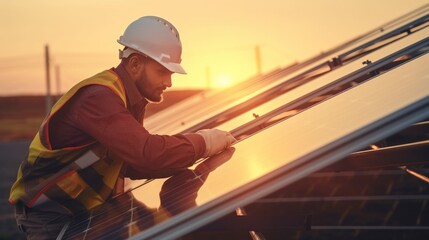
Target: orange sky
{"x": 218, "y": 35}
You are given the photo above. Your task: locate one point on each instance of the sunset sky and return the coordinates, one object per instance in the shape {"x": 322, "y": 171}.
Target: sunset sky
{"x": 218, "y": 37}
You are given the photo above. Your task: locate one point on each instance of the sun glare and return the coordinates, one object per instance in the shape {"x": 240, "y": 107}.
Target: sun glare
{"x": 223, "y": 81}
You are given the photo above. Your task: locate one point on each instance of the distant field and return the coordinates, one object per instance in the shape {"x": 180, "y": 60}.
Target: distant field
{"x": 21, "y": 116}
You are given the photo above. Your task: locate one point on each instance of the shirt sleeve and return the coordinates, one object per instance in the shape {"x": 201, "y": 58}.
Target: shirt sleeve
{"x": 102, "y": 114}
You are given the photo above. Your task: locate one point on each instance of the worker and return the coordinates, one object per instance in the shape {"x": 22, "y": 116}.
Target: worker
{"x": 94, "y": 137}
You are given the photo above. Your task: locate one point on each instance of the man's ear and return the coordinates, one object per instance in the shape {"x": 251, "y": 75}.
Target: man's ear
{"x": 134, "y": 63}
{"x": 134, "y": 66}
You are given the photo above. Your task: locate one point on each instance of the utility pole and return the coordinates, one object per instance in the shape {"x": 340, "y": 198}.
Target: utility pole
{"x": 258, "y": 60}
{"x": 57, "y": 81}
{"x": 48, "y": 80}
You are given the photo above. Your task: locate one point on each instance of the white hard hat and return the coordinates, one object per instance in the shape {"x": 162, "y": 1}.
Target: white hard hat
{"x": 156, "y": 38}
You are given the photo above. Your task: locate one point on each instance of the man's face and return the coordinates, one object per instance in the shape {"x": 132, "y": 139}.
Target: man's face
{"x": 153, "y": 80}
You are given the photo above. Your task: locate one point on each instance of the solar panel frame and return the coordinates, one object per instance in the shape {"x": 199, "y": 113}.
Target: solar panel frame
{"x": 391, "y": 156}
{"x": 406, "y": 28}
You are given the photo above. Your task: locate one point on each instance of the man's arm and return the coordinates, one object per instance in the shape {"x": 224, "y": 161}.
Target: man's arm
{"x": 101, "y": 114}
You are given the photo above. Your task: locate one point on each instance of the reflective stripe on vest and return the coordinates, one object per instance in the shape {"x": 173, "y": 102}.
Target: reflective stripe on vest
{"x": 82, "y": 162}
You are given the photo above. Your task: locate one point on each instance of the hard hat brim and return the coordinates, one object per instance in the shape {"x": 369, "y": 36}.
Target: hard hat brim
{"x": 174, "y": 67}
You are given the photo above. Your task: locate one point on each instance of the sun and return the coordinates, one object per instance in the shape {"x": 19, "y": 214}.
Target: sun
{"x": 223, "y": 81}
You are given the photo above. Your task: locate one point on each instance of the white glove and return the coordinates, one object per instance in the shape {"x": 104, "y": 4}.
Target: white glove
{"x": 216, "y": 140}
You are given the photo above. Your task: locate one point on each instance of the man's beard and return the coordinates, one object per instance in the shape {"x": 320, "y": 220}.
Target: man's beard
{"x": 141, "y": 86}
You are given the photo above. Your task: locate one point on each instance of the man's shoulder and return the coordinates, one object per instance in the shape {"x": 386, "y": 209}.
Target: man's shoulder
{"x": 96, "y": 94}
{"x": 95, "y": 89}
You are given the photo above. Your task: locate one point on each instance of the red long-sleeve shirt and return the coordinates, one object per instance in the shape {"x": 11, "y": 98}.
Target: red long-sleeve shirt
{"x": 96, "y": 113}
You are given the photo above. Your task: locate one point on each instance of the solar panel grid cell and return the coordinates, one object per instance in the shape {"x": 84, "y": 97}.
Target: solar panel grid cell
{"x": 118, "y": 219}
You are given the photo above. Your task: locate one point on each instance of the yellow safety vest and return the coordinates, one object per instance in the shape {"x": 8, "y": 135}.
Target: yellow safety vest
{"x": 78, "y": 178}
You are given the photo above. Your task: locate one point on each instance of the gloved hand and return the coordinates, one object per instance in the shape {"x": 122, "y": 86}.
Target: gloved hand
{"x": 216, "y": 140}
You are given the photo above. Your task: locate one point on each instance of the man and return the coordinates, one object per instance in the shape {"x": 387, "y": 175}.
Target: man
{"x": 93, "y": 136}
